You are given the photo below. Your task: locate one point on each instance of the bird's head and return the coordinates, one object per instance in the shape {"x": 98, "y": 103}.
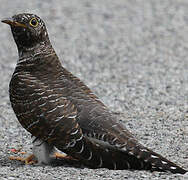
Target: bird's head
{"x": 28, "y": 30}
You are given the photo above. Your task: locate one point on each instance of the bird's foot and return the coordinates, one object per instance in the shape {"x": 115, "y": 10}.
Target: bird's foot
{"x": 63, "y": 156}
{"x": 27, "y": 160}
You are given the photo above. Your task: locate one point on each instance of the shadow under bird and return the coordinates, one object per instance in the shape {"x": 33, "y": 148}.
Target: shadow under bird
{"x": 61, "y": 112}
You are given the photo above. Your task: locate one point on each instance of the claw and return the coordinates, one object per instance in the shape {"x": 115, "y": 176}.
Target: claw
{"x": 28, "y": 160}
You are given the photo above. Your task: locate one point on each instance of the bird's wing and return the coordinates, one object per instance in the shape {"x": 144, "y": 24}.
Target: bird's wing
{"x": 51, "y": 117}
{"x": 43, "y": 110}
{"x": 105, "y": 135}
{"x": 103, "y": 127}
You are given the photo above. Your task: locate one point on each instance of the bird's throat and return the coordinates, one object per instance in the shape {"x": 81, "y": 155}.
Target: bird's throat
{"x": 31, "y": 53}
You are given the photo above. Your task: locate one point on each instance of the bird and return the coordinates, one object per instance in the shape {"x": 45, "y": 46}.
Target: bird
{"x": 62, "y": 113}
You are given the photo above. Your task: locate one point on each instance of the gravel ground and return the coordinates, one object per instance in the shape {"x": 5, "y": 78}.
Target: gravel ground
{"x": 132, "y": 54}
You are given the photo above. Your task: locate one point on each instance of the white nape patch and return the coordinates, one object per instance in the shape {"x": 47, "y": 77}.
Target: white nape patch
{"x": 164, "y": 162}
{"x": 172, "y": 167}
{"x": 153, "y": 156}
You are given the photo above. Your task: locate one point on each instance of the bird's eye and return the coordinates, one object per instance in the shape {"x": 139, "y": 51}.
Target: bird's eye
{"x": 33, "y": 22}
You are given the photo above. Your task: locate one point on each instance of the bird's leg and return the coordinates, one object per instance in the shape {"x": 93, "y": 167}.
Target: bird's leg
{"x": 43, "y": 153}
{"x": 46, "y": 153}
{"x": 27, "y": 160}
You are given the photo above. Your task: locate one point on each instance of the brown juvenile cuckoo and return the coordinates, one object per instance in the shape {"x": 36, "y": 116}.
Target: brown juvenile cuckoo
{"x": 61, "y": 112}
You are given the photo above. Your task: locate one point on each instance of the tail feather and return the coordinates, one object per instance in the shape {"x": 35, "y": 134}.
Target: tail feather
{"x": 136, "y": 158}
{"x": 152, "y": 160}
{"x": 124, "y": 154}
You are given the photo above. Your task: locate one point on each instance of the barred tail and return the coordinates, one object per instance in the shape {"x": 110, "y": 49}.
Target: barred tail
{"x": 138, "y": 157}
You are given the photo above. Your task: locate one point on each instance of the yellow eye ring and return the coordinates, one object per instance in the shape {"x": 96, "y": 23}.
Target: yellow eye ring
{"x": 33, "y": 22}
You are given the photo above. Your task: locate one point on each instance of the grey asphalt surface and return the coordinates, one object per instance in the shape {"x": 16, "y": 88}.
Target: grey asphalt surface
{"x": 133, "y": 54}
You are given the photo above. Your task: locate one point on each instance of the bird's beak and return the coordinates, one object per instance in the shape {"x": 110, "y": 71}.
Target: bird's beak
{"x": 11, "y": 22}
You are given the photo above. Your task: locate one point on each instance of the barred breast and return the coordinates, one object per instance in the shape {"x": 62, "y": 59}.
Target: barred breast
{"x": 60, "y": 110}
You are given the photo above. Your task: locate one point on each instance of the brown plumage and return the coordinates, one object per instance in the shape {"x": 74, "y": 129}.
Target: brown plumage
{"x": 59, "y": 109}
